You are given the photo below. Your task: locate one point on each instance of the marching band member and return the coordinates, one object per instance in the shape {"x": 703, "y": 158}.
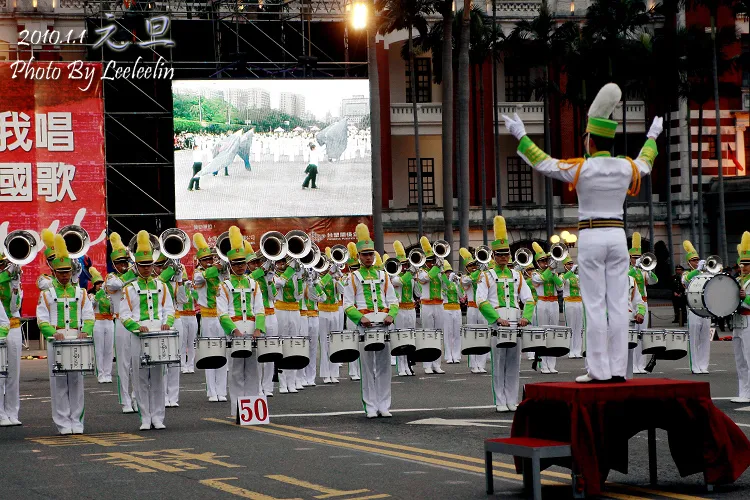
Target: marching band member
{"x": 206, "y": 280}
{"x": 288, "y": 297}
{"x": 147, "y": 307}
{"x": 499, "y": 293}
{"x": 66, "y": 390}
{"x": 329, "y": 319}
{"x": 637, "y": 310}
{"x": 172, "y": 280}
{"x": 403, "y": 285}
{"x": 432, "y": 301}
{"x": 353, "y": 265}
{"x": 602, "y": 184}
{"x": 267, "y": 287}
{"x": 312, "y": 296}
{"x": 642, "y": 278}
{"x": 573, "y": 304}
{"x": 741, "y": 322}
{"x": 113, "y": 285}
{"x": 11, "y": 296}
{"x": 380, "y": 266}
{"x": 699, "y": 329}
{"x": 185, "y": 311}
{"x": 104, "y": 328}
{"x": 371, "y": 291}
{"x": 452, "y": 293}
{"x": 477, "y": 362}
{"x": 547, "y": 309}
{"x": 240, "y": 301}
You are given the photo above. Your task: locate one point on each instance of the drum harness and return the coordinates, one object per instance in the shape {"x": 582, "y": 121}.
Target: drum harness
{"x": 243, "y": 296}
{"x": 77, "y": 302}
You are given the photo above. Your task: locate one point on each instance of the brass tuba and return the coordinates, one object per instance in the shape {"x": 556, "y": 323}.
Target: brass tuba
{"x": 417, "y": 258}
{"x": 714, "y": 265}
{"x": 175, "y": 243}
{"x": 273, "y": 245}
{"x": 523, "y": 257}
{"x": 483, "y": 255}
{"x": 339, "y": 255}
{"x": 21, "y": 247}
{"x": 76, "y": 239}
{"x": 441, "y": 249}
{"x": 223, "y": 246}
{"x": 647, "y": 262}
{"x": 298, "y": 243}
{"x": 392, "y": 266}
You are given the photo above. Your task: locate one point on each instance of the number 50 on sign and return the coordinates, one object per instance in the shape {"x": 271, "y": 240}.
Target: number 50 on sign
{"x": 252, "y": 411}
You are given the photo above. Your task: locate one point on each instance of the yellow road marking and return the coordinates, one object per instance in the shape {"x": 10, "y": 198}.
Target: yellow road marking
{"x": 370, "y": 497}
{"x": 108, "y": 439}
{"x": 327, "y": 492}
{"x": 219, "y": 484}
{"x": 666, "y": 494}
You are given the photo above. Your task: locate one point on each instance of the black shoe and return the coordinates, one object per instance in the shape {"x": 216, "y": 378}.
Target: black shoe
{"x": 617, "y": 380}
{"x": 675, "y": 321}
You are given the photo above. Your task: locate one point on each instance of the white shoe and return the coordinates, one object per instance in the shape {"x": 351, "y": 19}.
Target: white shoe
{"x": 546, "y": 371}
{"x": 223, "y": 399}
{"x": 213, "y": 399}
{"x": 78, "y": 430}
{"x": 6, "y": 423}
{"x": 311, "y": 384}
{"x": 705, "y": 372}
{"x": 334, "y": 380}
{"x": 172, "y": 405}
{"x": 128, "y": 409}
{"x": 145, "y": 426}
{"x": 482, "y": 370}
{"x": 552, "y": 370}
{"x": 66, "y": 431}
{"x": 15, "y": 421}
{"x": 512, "y": 407}
{"x": 269, "y": 394}
{"x": 438, "y": 370}
{"x": 501, "y": 409}
{"x": 109, "y": 379}
{"x": 402, "y": 374}
{"x": 283, "y": 390}
{"x": 584, "y": 379}
{"x": 327, "y": 380}
{"x": 733, "y": 400}
{"x": 356, "y": 378}
{"x": 100, "y": 379}
{"x": 159, "y": 426}
{"x": 300, "y": 386}
{"x": 428, "y": 371}
{"x": 474, "y": 370}
{"x": 372, "y": 414}
{"x": 386, "y": 414}
{"x": 293, "y": 391}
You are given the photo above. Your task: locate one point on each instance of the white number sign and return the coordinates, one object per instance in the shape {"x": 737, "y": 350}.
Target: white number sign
{"x": 252, "y": 411}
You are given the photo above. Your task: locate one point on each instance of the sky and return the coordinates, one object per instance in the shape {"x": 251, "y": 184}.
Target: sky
{"x": 321, "y": 96}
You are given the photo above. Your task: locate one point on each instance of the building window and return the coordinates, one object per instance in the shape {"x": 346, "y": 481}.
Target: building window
{"x": 517, "y": 84}
{"x": 520, "y": 183}
{"x": 428, "y": 181}
{"x": 423, "y": 76}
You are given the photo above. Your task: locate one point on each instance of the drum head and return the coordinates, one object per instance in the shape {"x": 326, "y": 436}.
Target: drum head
{"x": 270, "y": 357}
{"x": 477, "y": 349}
{"x": 403, "y": 350}
{"x": 344, "y": 356}
{"x": 293, "y": 362}
{"x": 242, "y": 354}
{"x": 426, "y": 355}
{"x": 721, "y": 295}
{"x": 210, "y": 362}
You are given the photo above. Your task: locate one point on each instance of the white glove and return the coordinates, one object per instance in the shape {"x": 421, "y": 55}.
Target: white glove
{"x": 657, "y": 126}
{"x": 574, "y": 268}
{"x": 515, "y": 126}
{"x": 701, "y": 265}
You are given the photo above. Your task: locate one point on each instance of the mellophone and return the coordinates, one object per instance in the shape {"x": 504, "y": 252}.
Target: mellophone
{"x": 664, "y": 344}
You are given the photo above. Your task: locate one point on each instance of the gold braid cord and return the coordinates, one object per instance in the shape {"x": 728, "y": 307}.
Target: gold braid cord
{"x": 635, "y": 186}
{"x": 577, "y": 163}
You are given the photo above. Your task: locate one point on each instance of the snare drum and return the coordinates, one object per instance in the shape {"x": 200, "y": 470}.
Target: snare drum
{"x": 374, "y": 339}
{"x": 403, "y": 342}
{"x": 269, "y": 349}
{"x": 73, "y": 355}
{"x": 429, "y": 345}
{"x": 475, "y": 339}
{"x": 653, "y": 341}
{"x": 241, "y": 347}
{"x": 343, "y": 347}
{"x": 532, "y": 339}
{"x": 3, "y": 357}
{"x": 713, "y": 295}
{"x": 676, "y": 343}
{"x": 507, "y": 337}
{"x": 296, "y": 351}
{"x": 160, "y": 348}
{"x": 633, "y": 338}
{"x": 210, "y": 352}
{"x": 557, "y": 341}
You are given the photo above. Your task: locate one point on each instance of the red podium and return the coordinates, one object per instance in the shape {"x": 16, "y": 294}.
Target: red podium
{"x": 599, "y": 419}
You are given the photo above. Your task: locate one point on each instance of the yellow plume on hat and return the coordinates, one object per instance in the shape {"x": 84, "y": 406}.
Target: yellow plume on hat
{"x": 537, "y": 248}
{"x": 199, "y": 241}
{"x": 144, "y": 244}
{"x": 96, "y": 276}
{"x": 48, "y": 237}
{"x": 426, "y": 246}
{"x": 386, "y": 257}
{"x": 352, "y": 247}
{"x": 248, "y": 247}
{"x": 501, "y": 233}
{"x": 378, "y": 260}
{"x": 689, "y": 248}
{"x": 328, "y": 253}
{"x": 447, "y": 266}
{"x": 61, "y": 249}
{"x": 745, "y": 244}
{"x": 235, "y": 238}
{"x": 636, "y": 240}
{"x": 464, "y": 253}
{"x": 398, "y": 247}
{"x": 115, "y": 240}
{"x": 363, "y": 233}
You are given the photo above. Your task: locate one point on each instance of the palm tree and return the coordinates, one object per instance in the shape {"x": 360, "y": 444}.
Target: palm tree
{"x": 408, "y": 15}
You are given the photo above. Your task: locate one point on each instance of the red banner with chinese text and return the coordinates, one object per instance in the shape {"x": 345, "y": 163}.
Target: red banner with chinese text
{"x": 324, "y": 231}
{"x": 52, "y": 159}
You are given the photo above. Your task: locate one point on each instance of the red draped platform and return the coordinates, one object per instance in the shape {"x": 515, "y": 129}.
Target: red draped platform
{"x": 599, "y": 419}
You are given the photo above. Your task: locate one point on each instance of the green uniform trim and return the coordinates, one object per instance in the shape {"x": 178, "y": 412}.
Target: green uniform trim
{"x": 648, "y": 152}
{"x": 531, "y": 151}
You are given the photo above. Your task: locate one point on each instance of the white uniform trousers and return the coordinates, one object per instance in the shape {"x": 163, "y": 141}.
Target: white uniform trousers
{"x": 405, "y": 319}
{"x": 327, "y": 323}
{"x": 299, "y": 378}
{"x": 474, "y": 317}
{"x": 272, "y": 330}
{"x": 216, "y": 378}
{"x": 548, "y": 313}
{"x": 451, "y": 337}
{"x": 310, "y": 371}
{"x": 506, "y": 368}
{"x": 700, "y": 342}
{"x": 354, "y": 371}
{"x": 244, "y": 378}
{"x": 631, "y": 356}
{"x": 639, "y": 360}
{"x": 741, "y": 345}
{"x": 104, "y": 342}
{"x": 574, "y": 321}
{"x": 66, "y": 392}
{"x": 149, "y": 386}
{"x": 172, "y": 373}
{"x": 289, "y": 326}
{"x": 603, "y": 262}
{"x": 376, "y": 378}
{"x": 125, "y": 373}
{"x": 432, "y": 319}
{"x": 187, "y": 342}
{"x": 10, "y": 398}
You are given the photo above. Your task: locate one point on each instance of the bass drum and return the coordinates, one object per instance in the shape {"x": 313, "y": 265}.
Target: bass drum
{"x": 713, "y": 295}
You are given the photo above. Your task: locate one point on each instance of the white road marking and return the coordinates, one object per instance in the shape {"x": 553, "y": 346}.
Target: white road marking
{"x": 360, "y": 412}
{"x": 457, "y": 422}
